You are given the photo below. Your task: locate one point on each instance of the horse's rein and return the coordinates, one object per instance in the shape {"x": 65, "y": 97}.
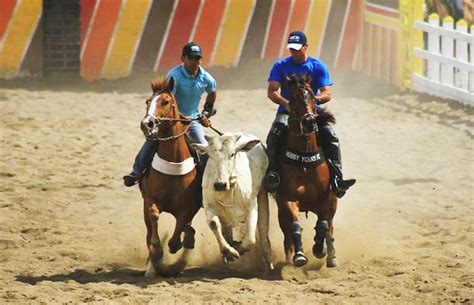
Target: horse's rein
{"x": 300, "y": 119}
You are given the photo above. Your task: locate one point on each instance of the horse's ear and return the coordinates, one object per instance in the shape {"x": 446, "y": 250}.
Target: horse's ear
{"x": 170, "y": 84}
{"x": 308, "y": 78}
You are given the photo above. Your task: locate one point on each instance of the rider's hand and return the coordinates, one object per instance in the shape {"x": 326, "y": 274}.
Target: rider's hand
{"x": 205, "y": 121}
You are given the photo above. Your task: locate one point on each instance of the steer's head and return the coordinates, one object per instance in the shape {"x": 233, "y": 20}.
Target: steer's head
{"x": 221, "y": 172}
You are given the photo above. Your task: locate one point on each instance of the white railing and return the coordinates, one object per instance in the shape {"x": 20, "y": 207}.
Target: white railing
{"x": 449, "y": 55}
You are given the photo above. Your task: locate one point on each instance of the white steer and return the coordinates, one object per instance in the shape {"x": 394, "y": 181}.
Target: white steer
{"x": 233, "y": 193}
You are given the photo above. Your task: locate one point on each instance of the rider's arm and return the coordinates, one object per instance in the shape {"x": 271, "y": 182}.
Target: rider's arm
{"x": 275, "y": 96}
{"x": 324, "y": 95}
{"x": 211, "y": 98}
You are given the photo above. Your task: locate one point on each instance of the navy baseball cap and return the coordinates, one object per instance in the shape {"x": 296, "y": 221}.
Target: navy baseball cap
{"x": 296, "y": 40}
{"x": 192, "y": 49}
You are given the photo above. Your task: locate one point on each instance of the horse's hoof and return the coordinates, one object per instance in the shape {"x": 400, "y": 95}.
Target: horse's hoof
{"x": 156, "y": 252}
{"x": 188, "y": 240}
{"x": 331, "y": 263}
{"x": 299, "y": 259}
{"x": 175, "y": 247}
{"x": 150, "y": 269}
{"x": 319, "y": 250}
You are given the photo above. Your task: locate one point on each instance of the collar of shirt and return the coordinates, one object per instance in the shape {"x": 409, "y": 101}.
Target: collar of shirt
{"x": 186, "y": 73}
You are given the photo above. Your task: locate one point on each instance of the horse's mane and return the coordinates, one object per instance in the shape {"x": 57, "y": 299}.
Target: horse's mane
{"x": 159, "y": 84}
{"x": 326, "y": 115}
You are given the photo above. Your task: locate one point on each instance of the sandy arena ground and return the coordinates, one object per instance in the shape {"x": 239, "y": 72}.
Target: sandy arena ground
{"x": 71, "y": 233}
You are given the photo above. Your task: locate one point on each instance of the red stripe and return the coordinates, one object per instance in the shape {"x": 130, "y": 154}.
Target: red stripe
{"x": 381, "y": 11}
{"x": 87, "y": 9}
{"x": 99, "y": 39}
{"x": 351, "y": 35}
{"x": 6, "y": 12}
{"x": 178, "y": 33}
{"x": 298, "y": 19}
{"x": 208, "y": 27}
{"x": 276, "y": 33}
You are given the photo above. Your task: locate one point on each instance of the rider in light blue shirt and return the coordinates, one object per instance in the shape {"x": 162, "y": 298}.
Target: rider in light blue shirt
{"x": 190, "y": 82}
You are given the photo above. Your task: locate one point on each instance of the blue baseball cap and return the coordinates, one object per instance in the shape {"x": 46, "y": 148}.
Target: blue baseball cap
{"x": 296, "y": 40}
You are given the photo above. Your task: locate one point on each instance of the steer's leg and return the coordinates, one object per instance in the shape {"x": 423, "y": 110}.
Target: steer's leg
{"x": 251, "y": 227}
{"x": 263, "y": 228}
{"x": 228, "y": 253}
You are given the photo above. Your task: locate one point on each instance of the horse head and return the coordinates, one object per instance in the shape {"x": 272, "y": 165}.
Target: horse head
{"x": 161, "y": 108}
{"x": 302, "y": 103}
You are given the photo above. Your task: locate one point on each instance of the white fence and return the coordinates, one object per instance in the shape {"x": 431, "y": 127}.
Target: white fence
{"x": 449, "y": 56}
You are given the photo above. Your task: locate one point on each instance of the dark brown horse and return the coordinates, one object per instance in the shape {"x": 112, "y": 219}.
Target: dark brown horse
{"x": 171, "y": 184}
{"x": 305, "y": 184}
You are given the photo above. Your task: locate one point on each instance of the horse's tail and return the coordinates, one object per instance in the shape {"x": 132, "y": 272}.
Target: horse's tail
{"x": 326, "y": 115}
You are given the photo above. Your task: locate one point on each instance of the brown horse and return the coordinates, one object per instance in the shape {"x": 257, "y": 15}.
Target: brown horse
{"x": 305, "y": 181}
{"x": 171, "y": 184}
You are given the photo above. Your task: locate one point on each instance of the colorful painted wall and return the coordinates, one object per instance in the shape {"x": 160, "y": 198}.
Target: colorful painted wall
{"x": 121, "y": 38}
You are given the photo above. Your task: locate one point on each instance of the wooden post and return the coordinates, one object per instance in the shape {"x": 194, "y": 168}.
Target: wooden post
{"x": 461, "y": 77}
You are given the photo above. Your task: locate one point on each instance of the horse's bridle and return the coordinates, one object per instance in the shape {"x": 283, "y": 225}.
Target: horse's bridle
{"x": 150, "y": 124}
{"x": 306, "y": 95}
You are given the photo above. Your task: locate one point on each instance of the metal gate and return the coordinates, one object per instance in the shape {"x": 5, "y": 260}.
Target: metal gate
{"x": 62, "y": 28}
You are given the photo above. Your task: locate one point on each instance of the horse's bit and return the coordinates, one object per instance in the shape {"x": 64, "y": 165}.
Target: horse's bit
{"x": 151, "y": 124}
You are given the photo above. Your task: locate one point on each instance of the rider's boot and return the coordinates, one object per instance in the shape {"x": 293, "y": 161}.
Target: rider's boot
{"x": 272, "y": 177}
{"x": 333, "y": 156}
{"x": 141, "y": 164}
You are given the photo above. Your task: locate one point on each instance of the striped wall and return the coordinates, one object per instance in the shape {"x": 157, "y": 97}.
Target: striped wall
{"x": 19, "y": 20}
{"x": 120, "y": 38}
{"x": 369, "y": 41}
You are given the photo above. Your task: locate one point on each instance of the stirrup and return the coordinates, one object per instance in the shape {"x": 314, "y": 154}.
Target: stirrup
{"x": 272, "y": 182}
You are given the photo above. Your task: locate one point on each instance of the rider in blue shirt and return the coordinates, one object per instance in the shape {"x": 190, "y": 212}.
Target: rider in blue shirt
{"x": 301, "y": 63}
{"x": 190, "y": 83}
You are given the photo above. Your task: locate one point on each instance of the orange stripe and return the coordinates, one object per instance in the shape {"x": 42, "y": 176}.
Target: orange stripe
{"x": 99, "y": 38}
{"x": 276, "y": 31}
{"x": 298, "y": 19}
{"x": 6, "y": 12}
{"x": 208, "y": 27}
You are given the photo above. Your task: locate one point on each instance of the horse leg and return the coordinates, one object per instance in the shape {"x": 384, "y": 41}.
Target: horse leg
{"x": 188, "y": 230}
{"x": 299, "y": 259}
{"x": 155, "y": 250}
{"x": 263, "y": 225}
{"x": 175, "y": 244}
{"x": 331, "y": 260}
{"x": 228, "y": 252}
{"x": 321, "y": 228}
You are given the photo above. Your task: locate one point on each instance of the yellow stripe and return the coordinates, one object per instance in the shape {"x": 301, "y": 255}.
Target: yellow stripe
{"x": 18, "y": 37}
{"x": 316, "y": 25}
{"x": 125, "y": 40}
{"x": 233, "y": 32}
{"x": 388, "y": 22}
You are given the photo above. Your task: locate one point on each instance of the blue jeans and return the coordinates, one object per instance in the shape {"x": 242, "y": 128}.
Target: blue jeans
{"x": 145, "y": 155}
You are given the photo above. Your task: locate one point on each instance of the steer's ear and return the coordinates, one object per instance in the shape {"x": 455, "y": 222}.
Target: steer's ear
{"x": 245, "y": 142}
{"x": 200, "y": 148}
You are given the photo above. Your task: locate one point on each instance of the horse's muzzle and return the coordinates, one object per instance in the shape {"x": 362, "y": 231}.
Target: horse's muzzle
{"x": 149, "y": 127}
